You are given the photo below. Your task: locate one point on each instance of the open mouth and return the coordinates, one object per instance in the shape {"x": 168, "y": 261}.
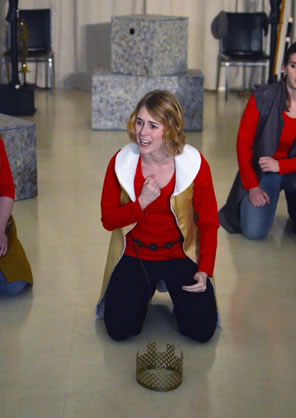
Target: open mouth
{"x": 143, "y": 141}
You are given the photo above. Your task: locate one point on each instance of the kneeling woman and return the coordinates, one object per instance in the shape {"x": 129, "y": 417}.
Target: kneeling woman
{"x": 15, "y": 270}
{"x": 159, "y": 201}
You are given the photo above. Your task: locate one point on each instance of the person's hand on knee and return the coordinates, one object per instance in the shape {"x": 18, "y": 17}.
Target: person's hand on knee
{"x": 258, "y": 197}
{"x": 269, "y": 164}
{"x": 201, "y": 283}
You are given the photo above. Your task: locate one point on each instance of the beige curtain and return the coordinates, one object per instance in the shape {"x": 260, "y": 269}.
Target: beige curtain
{"x": 81, "y": 33}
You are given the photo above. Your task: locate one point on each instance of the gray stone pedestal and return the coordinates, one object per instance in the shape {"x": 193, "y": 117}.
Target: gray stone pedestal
{"x": 149, "y": 44}
{"x": 114, "y": 96}
{"x": 19, "y": 137}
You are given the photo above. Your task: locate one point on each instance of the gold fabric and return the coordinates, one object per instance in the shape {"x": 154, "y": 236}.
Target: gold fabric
{"x": 184, "y": 211}
{"x": 14, "y": 264}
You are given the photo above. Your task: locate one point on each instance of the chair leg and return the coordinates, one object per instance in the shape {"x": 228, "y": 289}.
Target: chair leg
{"x": 3, "y": 65}
{"x": 50, "y": 72}
{"x": 5, "y": 69}
{"x": 47, "y": 75}
{"x": 36, "y": 73}
{"x": 244, "y": 77}
{"x": 53, "y": 73}
{"x": 226, "y": 80}
{"x": 218, "y": 73}
{"x": 263, "y": 74}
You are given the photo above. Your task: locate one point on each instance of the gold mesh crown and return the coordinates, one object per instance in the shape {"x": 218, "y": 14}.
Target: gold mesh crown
{"x": 159, "y": 371}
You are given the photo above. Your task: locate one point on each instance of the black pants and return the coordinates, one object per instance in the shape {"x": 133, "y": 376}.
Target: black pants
{"x": 128, "y": 294}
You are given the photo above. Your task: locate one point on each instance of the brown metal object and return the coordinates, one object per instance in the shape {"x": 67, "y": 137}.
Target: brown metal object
{"x": 159, "y": 371}
{"x": 278, "y": 39}
{"x": 23, "y": 48}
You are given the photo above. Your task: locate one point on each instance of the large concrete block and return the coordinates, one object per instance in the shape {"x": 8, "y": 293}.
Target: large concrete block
{"x": 114, "y": 97}
{"x": 149, "y": 44}
{"x": 19, "y": 137}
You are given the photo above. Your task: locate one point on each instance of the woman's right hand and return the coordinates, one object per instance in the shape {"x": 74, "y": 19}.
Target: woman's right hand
{"x": 258, "y": 197}
{"x": 150, "y": 192}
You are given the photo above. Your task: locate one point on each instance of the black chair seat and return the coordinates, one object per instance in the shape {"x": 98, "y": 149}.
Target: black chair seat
{"x": 39, "y": 53}
{"x": 33, "y": 52}
{"x": 244, "y": 55}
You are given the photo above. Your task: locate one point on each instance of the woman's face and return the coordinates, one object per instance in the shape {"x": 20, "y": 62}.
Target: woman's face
{"x": 290, "y": 69}
{"x": 149, "y": 132}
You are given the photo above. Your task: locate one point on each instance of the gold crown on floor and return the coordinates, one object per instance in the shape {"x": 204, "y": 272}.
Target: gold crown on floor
{"x": 159, "y": 371}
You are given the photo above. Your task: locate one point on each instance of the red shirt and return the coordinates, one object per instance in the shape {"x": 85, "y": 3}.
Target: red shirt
{"x": 6, "y": 180}
{"x": 157, "y": 226}
{"x": 157, "y": 223}
{"x": 245, "y": 140}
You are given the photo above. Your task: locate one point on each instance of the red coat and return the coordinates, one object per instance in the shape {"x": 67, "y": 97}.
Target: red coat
{"x": 6, "y": 180}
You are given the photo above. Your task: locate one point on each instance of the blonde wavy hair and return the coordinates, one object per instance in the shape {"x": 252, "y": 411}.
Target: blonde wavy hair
{"x": 165, "y": 109}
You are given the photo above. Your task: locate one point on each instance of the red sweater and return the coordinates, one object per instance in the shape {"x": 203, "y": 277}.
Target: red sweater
{"x": 245, "y": 141}
{"x": 6, "y": 180}
{"x": 157, "y": 224}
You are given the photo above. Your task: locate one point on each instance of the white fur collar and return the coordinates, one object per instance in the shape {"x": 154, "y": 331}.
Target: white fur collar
{"x": 187, "y": 166}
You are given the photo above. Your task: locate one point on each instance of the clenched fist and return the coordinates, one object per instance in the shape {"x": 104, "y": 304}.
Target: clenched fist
{"x": 150, "y": 192}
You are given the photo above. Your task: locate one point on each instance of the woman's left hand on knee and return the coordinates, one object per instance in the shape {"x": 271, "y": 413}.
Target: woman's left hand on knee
{"x": 269, "y": 164}
{"x": 201, "y": 283}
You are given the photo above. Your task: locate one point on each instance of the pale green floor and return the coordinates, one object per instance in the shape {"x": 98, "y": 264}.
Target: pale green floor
{"x": 56, "y": 361}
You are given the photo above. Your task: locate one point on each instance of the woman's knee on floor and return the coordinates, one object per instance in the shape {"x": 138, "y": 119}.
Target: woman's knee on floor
{"x": 254, "y": 234}
{"x": 125, "y": 322}
{"x": 18, "y": 287}
{"x": 11, "y": 288}
{"x": 119, "y": 331}
{"x": 200, "y": 334}
{"x": 256, "y": 229}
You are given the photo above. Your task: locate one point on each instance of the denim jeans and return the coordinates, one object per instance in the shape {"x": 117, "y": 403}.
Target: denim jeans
{"x": 11, "y": 288}
{"x": 256, "y": 222}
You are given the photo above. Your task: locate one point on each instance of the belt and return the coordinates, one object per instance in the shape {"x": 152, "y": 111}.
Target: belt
{"x": 155, "y": 247}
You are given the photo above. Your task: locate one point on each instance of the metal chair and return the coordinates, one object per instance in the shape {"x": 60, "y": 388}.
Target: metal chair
{"x": 39, "y": 49}
{"x": 242, "y": 45}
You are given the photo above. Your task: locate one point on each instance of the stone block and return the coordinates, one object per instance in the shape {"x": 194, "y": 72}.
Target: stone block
{"x": 114, "y": 97}
{"x": 149, "y": 44}
{"x": 19, "y": 137}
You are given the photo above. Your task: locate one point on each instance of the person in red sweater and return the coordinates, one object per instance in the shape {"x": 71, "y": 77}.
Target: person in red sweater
{"x": 266, "y": 152}
{"x": 159, "y": 202}
{"x": 15, "y": 271}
